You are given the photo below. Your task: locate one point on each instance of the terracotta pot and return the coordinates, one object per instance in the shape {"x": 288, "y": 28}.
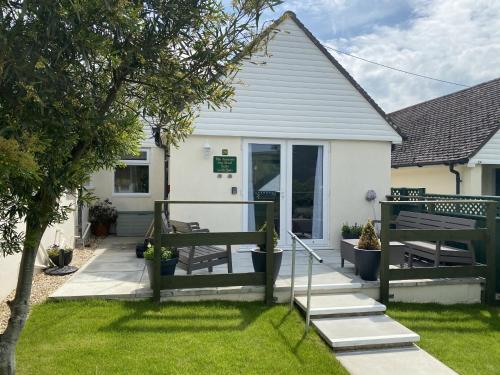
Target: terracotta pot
{"x": 100, "y": 230}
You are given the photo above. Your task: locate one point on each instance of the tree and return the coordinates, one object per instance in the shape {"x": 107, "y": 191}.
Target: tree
{"x": 78, "y": 81}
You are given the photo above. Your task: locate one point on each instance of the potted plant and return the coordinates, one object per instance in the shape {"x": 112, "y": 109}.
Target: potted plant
{"x": 169, "y": 258}
{"x": 259, "y": 255}
{"x": 101, "y": 216}
{"x": 350, "y": 232}
{"x": 367, "y": 253}
{"x": 60, "y": 256}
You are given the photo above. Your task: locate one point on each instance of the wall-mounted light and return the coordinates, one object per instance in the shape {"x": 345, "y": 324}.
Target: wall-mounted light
{"x": 206, "y": 150}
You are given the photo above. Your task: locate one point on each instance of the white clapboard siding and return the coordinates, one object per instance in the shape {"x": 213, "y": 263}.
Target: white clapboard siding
{"x": 294, "y": 91}
{"x": 489, "y": 153}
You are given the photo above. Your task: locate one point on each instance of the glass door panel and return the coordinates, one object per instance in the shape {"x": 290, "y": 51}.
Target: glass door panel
{"x": 264, "y": 182}
{"x": 307, "y": 198}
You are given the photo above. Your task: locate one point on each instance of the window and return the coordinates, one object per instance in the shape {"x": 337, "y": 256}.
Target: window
{"x": 133, "y": 178}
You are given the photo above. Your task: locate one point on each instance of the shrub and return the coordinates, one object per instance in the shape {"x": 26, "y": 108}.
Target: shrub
{"x": 102, "y": 213}
{"x": 368, "y": 239}
{"x": 166, "y": 253}
{"x": 54, "y": 250}
{"x": 263, "y": 228}
{"x": 351, "y": 231}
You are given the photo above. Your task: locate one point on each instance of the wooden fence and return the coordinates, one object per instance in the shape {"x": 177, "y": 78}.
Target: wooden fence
{"x": 486, "y": 234}
{"x": 212, "y": 238}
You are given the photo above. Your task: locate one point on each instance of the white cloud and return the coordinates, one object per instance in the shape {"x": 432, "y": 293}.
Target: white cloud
{"x": 454, "y": 40}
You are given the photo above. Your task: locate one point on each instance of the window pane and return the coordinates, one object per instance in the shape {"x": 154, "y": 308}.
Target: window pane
{"x": 143, "y": 155}
{"x": 132, "y": 179}
{"x": 307, "y": 191}
{"x": 264, "y": 183}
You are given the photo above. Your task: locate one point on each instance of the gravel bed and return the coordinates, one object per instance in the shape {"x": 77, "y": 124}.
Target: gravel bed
{"x": 44, "y": 285}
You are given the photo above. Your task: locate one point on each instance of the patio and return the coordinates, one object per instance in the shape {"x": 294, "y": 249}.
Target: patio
{"x": 115, "y": 273}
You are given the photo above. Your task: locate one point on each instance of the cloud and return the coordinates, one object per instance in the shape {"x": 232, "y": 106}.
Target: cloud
{"x": 348, "y": 17}
{"x": 454, "y": 40}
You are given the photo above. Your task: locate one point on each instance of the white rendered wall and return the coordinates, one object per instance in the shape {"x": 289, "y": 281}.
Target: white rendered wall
{"x": 355, "y": 168}
{"x": 63, "y": 234}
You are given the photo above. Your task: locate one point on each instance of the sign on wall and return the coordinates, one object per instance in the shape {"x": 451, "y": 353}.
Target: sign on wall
{"x": 224, "y": 164}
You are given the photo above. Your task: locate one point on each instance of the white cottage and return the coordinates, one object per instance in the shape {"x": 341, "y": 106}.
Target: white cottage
{"x": 301, "y": 131}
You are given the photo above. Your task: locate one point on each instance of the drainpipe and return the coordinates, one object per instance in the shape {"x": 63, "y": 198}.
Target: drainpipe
{"x": 457, "y": 178}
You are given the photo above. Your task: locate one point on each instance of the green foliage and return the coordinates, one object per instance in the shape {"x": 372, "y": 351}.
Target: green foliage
{"x": 351, "y": 231}
{"x": 103, "y": 213}
{"x": 464, "y": 337}
{"x": 55, "y": 249}
{"x": 369, "y": 239}
{"x": 137, "y": 338}
{"x": 263, "y": 228}
{"x": 166, "y": 253}
{"x": 79, "y": 80}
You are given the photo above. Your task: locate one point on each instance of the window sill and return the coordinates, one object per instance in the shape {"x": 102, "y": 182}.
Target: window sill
{"x": 131, "y": 195}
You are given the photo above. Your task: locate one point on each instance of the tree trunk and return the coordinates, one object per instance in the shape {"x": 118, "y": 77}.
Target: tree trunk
{"x": 19, "y": 307}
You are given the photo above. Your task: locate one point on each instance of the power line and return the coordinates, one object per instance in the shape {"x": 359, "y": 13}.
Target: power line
{"x": 396, "y": 69}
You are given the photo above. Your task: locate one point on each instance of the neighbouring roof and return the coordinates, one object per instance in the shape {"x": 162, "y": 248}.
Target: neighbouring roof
{"x": 448, "y": 129}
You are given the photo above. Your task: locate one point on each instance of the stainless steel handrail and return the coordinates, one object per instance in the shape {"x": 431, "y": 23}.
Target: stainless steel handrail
{"x": 311, "y": 255}
{"x": 87, "y": 228}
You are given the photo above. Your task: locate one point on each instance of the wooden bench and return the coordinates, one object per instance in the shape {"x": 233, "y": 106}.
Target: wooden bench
{"x": 437, "y": 252}
{"x": 198, "y": 257}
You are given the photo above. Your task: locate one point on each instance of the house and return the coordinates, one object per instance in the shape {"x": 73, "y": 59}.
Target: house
{"x": 300, "y": 132}
{"x": 452, "y": 143}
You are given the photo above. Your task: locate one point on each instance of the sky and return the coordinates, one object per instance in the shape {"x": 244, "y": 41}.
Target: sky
{"x": 453, "y": 40}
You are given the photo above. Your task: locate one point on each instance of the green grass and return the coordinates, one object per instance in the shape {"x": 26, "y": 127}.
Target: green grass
{"x": 464, "y": 337}
{"x": 111, "y": 337}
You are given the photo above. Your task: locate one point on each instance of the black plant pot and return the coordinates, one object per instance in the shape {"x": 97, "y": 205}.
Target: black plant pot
{"x": 167, "y": 267}
{"x": 67, "y": 258}
{"x": 259, "y": 261}
{"x": 368, "y": 263}
{"x": 140, "y": 248}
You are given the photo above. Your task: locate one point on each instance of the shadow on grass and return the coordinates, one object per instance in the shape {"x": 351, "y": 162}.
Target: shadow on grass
{"x": 195, "y": 317}
{"x": 293, "y": 345}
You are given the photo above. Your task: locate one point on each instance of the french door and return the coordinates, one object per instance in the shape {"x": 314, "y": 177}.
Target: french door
{"x": 294, "y": 174}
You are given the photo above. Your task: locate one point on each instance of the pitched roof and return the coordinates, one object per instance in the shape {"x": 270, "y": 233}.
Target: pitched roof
{"x": 448, "y": 129}
{"x": 340, "y": 68}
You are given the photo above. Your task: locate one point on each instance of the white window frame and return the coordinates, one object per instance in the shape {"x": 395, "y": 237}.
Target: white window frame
{"x": 135, "y": 162}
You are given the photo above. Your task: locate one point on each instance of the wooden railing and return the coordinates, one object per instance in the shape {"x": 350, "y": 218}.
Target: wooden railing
{"x": 487, "y": 234}
{"x": 213, "y": 238}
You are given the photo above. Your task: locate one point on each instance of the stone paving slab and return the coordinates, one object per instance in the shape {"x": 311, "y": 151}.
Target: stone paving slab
{"x": 364, "y": 331}
{"x": 340, "y": 304}
{"x": 407, "y": 361}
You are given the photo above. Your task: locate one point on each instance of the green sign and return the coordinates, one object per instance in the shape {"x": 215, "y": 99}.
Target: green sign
{"x": 224, "y": 164}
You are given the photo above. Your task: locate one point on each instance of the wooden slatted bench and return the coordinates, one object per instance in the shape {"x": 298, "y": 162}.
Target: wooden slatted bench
{"x": 198, "y": 257}
{"x": 437, "y": 252}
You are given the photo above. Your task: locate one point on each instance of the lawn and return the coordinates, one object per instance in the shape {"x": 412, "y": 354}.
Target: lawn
{"x": 464, "y": 337}
{"x": 114, "y": 337}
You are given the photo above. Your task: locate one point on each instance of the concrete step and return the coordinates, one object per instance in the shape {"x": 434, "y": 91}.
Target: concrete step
{"x": 409, "y": 361}
{"x": 361, "y": 332}
{"x": 340, "y": 304}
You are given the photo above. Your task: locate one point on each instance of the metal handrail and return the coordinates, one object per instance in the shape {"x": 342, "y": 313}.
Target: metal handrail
{"x": 84, "y": 235}
{"x": 311, "y": 255}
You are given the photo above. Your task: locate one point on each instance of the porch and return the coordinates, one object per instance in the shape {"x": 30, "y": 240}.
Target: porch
{"x": 115, "y": 273}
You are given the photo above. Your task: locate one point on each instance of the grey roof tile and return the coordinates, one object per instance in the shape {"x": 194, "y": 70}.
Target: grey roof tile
{"x": 451, "y": 128}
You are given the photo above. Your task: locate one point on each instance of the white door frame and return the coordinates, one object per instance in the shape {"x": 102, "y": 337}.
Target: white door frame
{"x": 325, "y": 241}
{"x": 286, "y": 186}
{"x": 282, "y": 212}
